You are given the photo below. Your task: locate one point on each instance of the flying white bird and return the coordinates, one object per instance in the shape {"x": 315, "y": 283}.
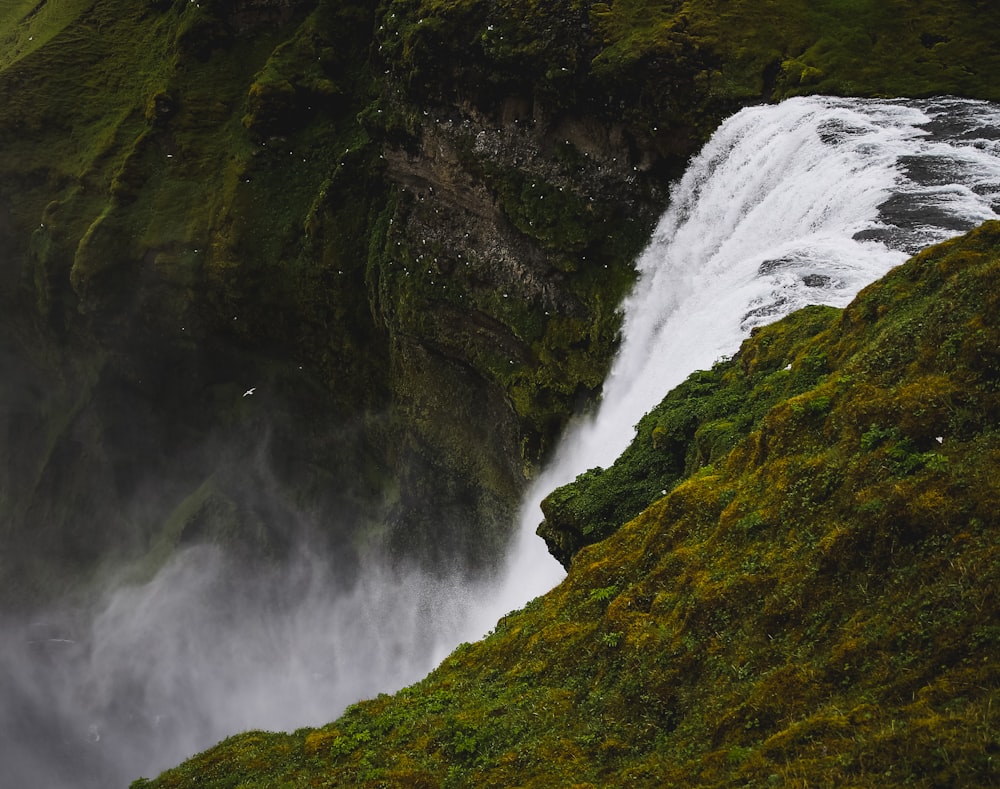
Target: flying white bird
{"x": 250, "y": 391}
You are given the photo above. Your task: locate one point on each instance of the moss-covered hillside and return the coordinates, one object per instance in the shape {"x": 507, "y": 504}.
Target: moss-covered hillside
{"x": 813, "y": 602}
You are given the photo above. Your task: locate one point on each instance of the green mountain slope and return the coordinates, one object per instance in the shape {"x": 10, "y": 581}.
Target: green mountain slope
{"x": 813, "y": 603}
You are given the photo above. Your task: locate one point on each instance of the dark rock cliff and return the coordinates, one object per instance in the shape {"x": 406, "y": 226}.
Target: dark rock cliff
{"x": 225, "y": 196}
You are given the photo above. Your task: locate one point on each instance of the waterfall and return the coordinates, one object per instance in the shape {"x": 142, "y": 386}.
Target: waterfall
{"x": 799, "y": 203}
{"x": 804, "y": 202}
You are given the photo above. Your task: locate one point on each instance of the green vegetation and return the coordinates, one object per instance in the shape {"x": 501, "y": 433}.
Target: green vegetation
{"x": 812, "y": 604}
{"x": 665, "y": 67}
{"x": 410, "y": 223}
{"x": 743, "y": 50}
{"x": 172, "y": 232}
{"x": 695, "y": 426}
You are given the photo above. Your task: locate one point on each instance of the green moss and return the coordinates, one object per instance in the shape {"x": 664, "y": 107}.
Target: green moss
{"x": 155, "y": 235}
{"x": 556, "y": 217}
{"x": 831, "y": 47}
{"x": 667, "y": 67}
{"x": 29, "y": 25}
{"x": 696, "y": 425}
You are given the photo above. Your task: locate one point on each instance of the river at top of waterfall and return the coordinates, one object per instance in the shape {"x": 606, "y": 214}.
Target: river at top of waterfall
{"x": 803, "y": 202}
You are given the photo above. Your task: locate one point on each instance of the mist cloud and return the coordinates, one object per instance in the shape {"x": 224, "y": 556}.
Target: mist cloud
{"x": 152, "y": 673}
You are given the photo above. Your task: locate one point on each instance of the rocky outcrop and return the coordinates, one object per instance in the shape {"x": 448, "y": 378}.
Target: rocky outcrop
{"x": 496, "y": 280}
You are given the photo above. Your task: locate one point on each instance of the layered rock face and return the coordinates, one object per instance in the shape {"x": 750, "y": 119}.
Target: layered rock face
{"x": 419, "y": 292}
{"x": 497, "y": 280}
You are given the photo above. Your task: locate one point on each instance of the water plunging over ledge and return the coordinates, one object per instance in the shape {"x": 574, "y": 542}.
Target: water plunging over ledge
{"x": 804, "y": 202}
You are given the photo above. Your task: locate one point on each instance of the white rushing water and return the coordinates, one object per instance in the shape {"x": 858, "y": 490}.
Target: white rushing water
{"x": 800, "y": 203}
{"x": 155, "y": 672}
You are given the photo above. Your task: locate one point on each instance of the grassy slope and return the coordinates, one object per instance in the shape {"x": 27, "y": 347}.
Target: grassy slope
{"x": 695, "y": 425}
{"x": 134, "y": 139}
{"x": 815, "y": 607}
{"x": 848, "y": 47}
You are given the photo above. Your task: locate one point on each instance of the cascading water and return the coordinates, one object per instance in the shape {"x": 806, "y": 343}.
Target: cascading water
{"x": 803, "y": 202}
